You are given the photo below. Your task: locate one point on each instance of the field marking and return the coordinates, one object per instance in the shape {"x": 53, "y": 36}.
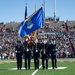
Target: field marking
{"x": 36, "y": 70}
{"x": 39, "y": 67}
{"x": 16, "y": 68}
{"x": 58, "y": 68}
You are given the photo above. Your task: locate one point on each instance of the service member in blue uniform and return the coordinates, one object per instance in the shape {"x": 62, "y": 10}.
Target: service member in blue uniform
{"x": 36, "y": 55}
{"x": 27, "y": 54}
{"x": 45, "y": 55}
{"x": 53, "y": 53}
{"x": 19, "y": 52}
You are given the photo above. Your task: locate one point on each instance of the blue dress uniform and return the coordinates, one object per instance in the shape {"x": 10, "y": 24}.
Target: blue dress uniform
{"x": 36, "y": 55}
{"x": 45, "y": 55}
{"x": 19, "y": 52}
{"x": 53, "y": 55}
{"x": 27, "y": 55}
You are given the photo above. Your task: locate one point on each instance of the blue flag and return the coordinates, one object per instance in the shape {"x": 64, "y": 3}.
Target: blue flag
{"x": 20, "y": 24}
{"x": 35, "y": 21}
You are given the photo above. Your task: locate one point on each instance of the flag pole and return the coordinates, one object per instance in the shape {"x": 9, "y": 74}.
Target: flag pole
{"x": 35, "y": 33}
{"x": 25, "y": 17}
{"x": 44, "y": 18}
{"x": 25, "y": 14}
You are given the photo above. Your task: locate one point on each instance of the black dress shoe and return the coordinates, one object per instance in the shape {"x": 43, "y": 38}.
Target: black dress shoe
{"x": 17, "y": 68}
{"x": 55, "y": 66}
{"x": 46, "y": 67}
{"x": 28, "y": 68}
{"x": 35, "y": 68}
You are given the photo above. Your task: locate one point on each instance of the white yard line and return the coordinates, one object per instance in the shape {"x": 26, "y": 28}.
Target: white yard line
{"x": 36, "y": 70}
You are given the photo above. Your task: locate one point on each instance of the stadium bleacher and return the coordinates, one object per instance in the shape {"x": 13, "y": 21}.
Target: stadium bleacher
{"x": 9, "y": 35}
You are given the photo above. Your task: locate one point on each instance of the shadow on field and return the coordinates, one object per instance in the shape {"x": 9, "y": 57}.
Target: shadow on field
{"x": 3, "y": 69}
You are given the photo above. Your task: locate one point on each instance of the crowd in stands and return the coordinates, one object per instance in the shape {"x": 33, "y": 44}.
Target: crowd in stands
{"x": 64, "y": 39}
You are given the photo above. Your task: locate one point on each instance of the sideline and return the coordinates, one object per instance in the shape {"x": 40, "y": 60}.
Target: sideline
{"x": 36, "y": 70}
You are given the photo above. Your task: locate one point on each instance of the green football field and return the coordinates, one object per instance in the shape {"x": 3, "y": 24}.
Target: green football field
{"x": 65, "y": 67}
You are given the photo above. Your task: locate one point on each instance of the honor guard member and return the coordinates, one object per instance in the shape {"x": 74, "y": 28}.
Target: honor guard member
{"x": 45, "y": 55}
{"x": 19, "y": 52}
{"x": 53, "y": 54}
{"x": 27, "y": 54}
{"x": 36, "y": 55}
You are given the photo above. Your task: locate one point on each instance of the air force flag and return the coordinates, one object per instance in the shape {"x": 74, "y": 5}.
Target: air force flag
{"x": 35, "y": 21}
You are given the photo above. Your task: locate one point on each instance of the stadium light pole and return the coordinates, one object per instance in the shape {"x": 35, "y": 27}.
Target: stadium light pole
{"x": 55, "y": 10}
{"x": 44, "y": 7}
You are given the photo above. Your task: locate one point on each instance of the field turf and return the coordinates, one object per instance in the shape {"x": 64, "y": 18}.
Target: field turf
{"x": 8, "y": 67}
